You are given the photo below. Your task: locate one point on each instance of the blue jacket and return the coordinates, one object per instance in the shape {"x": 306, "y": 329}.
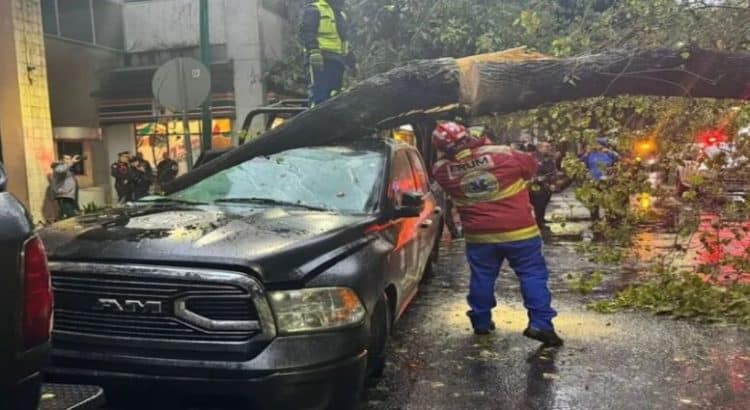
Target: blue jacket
{"x": 598, "y": 162}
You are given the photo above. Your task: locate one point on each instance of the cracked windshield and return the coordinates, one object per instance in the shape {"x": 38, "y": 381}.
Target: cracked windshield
{"x": 333, "y": 178}
{"x": 375, "y": 204}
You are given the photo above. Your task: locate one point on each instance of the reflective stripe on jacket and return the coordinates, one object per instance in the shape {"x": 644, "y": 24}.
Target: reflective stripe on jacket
{"x": 489, "y": 187}
{"x": 324, "y": 28}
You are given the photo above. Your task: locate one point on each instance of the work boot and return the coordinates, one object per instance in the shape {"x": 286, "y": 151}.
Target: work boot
{"x": 481, "y": 327}
{"x": 548, "y": 337}
{"x": 485, "y": 331}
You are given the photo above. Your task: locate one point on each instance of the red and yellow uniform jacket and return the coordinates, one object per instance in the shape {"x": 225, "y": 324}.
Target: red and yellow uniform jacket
{"x": 488, "y": 186}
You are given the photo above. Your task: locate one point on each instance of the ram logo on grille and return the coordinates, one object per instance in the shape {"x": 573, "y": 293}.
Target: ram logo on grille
{"x": 128, "y": 306}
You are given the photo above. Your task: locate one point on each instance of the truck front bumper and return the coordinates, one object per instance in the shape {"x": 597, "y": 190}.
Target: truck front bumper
{"x": 299, "y": 372}
{"x": 308, "y": 388}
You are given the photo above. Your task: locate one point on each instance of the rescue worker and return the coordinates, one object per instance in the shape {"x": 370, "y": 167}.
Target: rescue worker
{"x": 323, "y": 35}
{"x": 120, "y": 171}
{"x": 488, "y": 185}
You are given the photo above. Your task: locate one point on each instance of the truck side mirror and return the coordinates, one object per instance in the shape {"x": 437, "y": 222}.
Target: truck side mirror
{"x": 412, "y": 204}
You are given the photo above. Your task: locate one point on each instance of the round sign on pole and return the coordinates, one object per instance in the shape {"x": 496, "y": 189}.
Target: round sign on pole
{"x": 181, "y": 84}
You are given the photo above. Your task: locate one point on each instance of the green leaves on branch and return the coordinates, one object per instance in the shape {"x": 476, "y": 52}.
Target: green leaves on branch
{"x": 585, "y": 284}
{"x": 684, "y": 296}
{"x": 529, "y": 20}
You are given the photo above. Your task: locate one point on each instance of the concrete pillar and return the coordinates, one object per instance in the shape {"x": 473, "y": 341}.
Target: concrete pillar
{"x": 245, "y": 50}
{"x": 25, "y": 124}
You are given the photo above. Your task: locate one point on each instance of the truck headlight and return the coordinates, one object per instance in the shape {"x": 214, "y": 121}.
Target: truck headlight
{"x": 307, "y": 310}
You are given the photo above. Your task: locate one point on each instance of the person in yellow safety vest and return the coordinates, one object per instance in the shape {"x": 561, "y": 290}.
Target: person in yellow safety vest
{"x": 323, "y": 34}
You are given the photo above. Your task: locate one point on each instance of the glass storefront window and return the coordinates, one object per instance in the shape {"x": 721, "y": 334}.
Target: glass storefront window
{"x": 153, "y": 140}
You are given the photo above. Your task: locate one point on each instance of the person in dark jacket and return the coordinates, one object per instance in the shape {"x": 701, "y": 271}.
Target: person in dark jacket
{"x": 141, "y": 178}
{"x": 166, "y": 170}
{"x": 146, "y": 165}
{"x": 323, "y": 35}
{"x": 120, "y": 171}
{"x": 542, "y": 186}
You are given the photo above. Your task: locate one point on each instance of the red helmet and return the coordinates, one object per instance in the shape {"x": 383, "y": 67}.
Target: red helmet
{"x": 451, "y": 138}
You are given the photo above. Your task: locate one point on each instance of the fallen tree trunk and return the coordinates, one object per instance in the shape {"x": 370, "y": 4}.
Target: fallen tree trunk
{"x": 497, "y": 83}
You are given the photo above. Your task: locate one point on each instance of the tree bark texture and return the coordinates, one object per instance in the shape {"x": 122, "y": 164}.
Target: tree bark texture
{"x": 504, "y": 87}
{"x": 497, "y": 83}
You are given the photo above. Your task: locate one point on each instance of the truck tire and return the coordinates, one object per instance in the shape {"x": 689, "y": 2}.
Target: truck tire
{"x": 380, "y": 329}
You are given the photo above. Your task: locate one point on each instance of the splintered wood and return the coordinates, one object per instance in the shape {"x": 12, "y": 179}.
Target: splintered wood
{"x": 469, "y": 81}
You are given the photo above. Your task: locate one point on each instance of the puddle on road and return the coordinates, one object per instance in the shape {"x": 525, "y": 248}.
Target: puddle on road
{"x": 573, "y": 326}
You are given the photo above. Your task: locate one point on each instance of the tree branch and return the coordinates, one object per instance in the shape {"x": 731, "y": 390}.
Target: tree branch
{"x": 497, "y": 83}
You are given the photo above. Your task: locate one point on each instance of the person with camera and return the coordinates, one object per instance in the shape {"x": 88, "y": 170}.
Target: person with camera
{"x": 65, "y": 186}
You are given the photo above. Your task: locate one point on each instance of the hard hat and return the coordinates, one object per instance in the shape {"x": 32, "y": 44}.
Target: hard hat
{"x": 450, "y": 138}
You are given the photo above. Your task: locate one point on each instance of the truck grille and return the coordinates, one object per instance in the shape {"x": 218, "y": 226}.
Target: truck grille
{"x": 164, "y": 304}
{"x": 136, "y": 326}
{"x": 237, "y": 309}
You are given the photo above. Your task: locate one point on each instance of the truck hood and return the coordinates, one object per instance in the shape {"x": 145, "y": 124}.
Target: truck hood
{"x": 277, "y": 244}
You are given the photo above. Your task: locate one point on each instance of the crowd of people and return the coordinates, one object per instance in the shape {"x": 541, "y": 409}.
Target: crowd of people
{"x": 135, "y": 178}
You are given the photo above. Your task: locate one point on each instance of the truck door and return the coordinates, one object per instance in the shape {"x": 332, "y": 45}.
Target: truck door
{"x": 406, "y": 249}
{"x": 430, "y": 219}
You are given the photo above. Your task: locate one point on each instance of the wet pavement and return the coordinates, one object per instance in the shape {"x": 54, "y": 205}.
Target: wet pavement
{"x": 621, "y": 361}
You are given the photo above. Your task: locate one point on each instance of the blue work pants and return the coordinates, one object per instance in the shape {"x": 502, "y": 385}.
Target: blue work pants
{"x": 526, "y": 259}
{"x": 326, "y": 82}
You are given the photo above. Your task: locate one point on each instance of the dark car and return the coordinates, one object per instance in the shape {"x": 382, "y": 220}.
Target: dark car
{"x": 277, "y": 279}
{"x": 25, "y": 306}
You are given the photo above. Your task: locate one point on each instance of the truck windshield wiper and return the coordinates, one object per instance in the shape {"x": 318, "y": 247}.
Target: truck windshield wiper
{"x": 168, "y": 200}
{"x": 268, "y": 201}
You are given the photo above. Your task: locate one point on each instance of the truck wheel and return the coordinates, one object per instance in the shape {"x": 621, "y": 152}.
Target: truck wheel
{"x": 380, "y": 329}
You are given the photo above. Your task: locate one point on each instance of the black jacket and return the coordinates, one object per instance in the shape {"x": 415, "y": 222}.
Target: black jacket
{"x": 166, "y": 171}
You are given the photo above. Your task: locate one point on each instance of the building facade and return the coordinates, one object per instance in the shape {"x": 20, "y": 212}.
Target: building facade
{"x": 26, "y": 146}
{"x": 82, "y": 83}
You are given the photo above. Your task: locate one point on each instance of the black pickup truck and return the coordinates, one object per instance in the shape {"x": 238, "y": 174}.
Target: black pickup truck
{"x": 25, "y": 305}
{"x": 277, "y": 279}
